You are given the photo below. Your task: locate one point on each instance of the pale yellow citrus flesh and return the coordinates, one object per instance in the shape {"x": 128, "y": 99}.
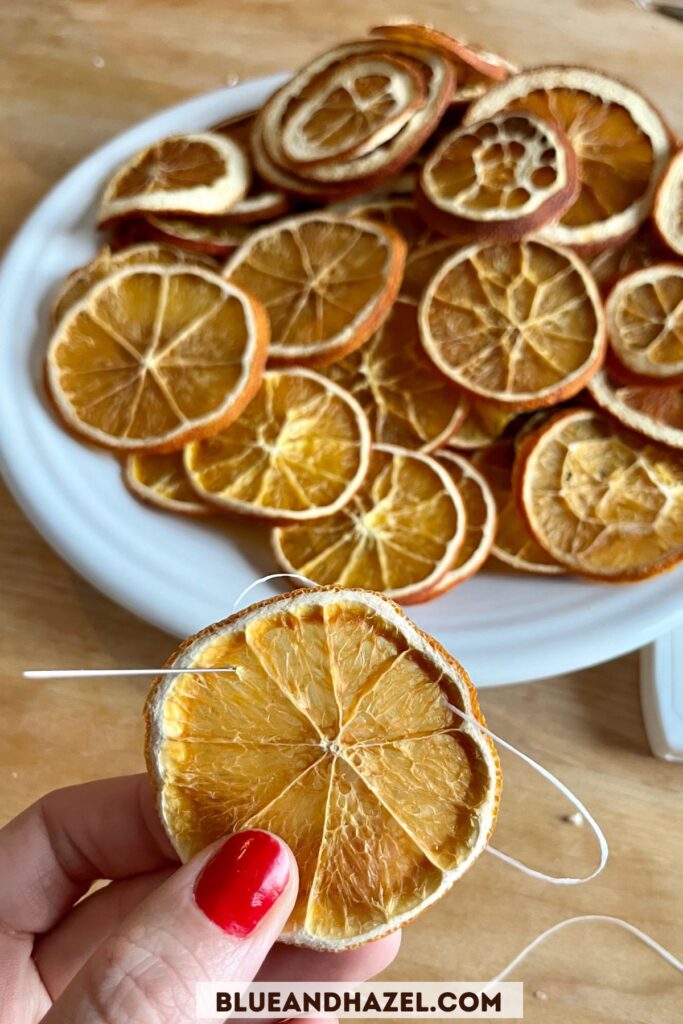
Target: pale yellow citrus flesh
{"x": 519, "y": 323}
{"x": 325, "y": 282}
{"x": 480, "y": 517}
{"x": 162, "y": 480}
{"x": 483, "y": 424}
{"x": 407, "y": 400}
{"x": 602, "y": 501}
{"x": 656, "y": 412}
{"x": 615, "y": 154}
{"x": 398, "y": 534}
{"x": 514, "y": 544}
{"x": 80, "y": 281}
{"x": 332, "y": 733}
{"x": 501, "y": 168}
{"x": 299, "y": 449}
{"x": 645, "y": 322}
{"x": 154, "y": 354}
{"x": 360, "y": 103}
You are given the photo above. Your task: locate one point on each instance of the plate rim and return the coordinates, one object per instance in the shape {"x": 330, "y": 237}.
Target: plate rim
{"x": 653, "y": 618}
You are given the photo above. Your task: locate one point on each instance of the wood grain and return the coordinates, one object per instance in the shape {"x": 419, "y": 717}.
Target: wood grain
{"x": 72, "y": 73}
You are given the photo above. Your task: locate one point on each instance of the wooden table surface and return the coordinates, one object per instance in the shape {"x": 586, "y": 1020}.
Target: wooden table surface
{"x": 73, "y": 73}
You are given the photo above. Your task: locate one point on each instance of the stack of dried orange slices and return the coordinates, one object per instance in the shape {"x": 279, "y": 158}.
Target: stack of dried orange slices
{"x": 351, "y": 316}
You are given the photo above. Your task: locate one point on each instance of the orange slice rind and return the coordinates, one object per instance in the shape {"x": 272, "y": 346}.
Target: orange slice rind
{"x": 161, "y": 480}
{"x": 472, "y": 64}
{"x": 309, "y": 738}
{"x": 655, "y": 412}
{"x": 199, "y": 173}
{"x": 514, "y": 545}
{"x": 499, "y": 179}
{"x": 361, "y": 104}
{"x": 408, "y": 401}
{"x": 620, "y": 139}
{"x": 80, "y": 280}
{"x": 644, "y": 315}
{"x": 213, "y": 236}
{"x": 600, "y": 500}
{"x": 483, "y": 424}
{"x": 399, "y": 533}
{"x": 640, "y": 250}
{"x": 520, "y": 324}
{"x": 327, "y": 283}
{"x": 668, "y": 211}
{"x": 156, "y": 355}
{"x": 481, "y": 519}
{"x": 299, "y": 451}
{"x": 261, "y": 203}
{"x": 339, "y": 178}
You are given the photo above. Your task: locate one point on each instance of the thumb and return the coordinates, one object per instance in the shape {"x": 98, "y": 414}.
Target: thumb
{"x": 215, "y": 918}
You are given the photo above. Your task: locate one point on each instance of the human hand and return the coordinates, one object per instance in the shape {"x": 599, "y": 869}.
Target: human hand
{"x": 135, "y": 949}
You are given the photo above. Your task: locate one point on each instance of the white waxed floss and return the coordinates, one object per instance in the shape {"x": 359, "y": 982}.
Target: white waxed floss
{"x": 582, "y": 810}
{"x": 639, "y": 934}
{"x": 599, "y": 834}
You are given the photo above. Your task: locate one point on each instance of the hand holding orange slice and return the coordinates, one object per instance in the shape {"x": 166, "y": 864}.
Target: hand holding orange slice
{"x": 384, "y": 808}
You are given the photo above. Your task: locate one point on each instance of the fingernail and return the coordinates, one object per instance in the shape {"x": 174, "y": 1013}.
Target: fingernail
{"x": 242, "y": 881}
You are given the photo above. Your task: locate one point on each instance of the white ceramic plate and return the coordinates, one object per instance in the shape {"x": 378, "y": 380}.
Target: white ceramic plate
{"x": 182, "y": 575}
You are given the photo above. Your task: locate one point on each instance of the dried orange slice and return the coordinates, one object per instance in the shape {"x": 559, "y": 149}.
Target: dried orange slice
{"x": 298, "y": 451}
{"x": 521, "y": 324}
{"x": 400, "y": 214}
{"x": 327, "y": 283}
{"x": 644, "y": 313}
{"x": 261, "y": 203}
{"x": 483, "y": 424}
{"x": 217, "y": 236}
{"x": 426, "y": 248}
{"x": 335, "y": 733}
{"x": 362, "y": 103}
{"x": 656, "y": 412}
{"x": 640, "y": 250}
{"x": 350, "y": 176}
{"x": 408, "y": 402}
{"x": 514, "y": 545}
{"x": 668, "y": 212}
{"x": 500, "y": 178}
{"x": 600, "y": 500}
{"x": 156, "y": 355}
{"x": 473, "y": 83}
{"x": 473, "y": 65}
{"x": 198, "y": 173}
{"x": 621, "y": 141}
{"x": 161, "y": 480}
{"x": 81, "y": 280}
{"x": 422, "y": 264}
{"x": 399, "y": 533}
{"x": 481, "y": 520}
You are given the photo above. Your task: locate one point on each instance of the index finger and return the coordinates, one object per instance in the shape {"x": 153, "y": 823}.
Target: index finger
{"x": 52, "y": 852}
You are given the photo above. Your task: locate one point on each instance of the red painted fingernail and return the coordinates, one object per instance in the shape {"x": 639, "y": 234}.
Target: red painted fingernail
{"x": 242, "y": 881}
